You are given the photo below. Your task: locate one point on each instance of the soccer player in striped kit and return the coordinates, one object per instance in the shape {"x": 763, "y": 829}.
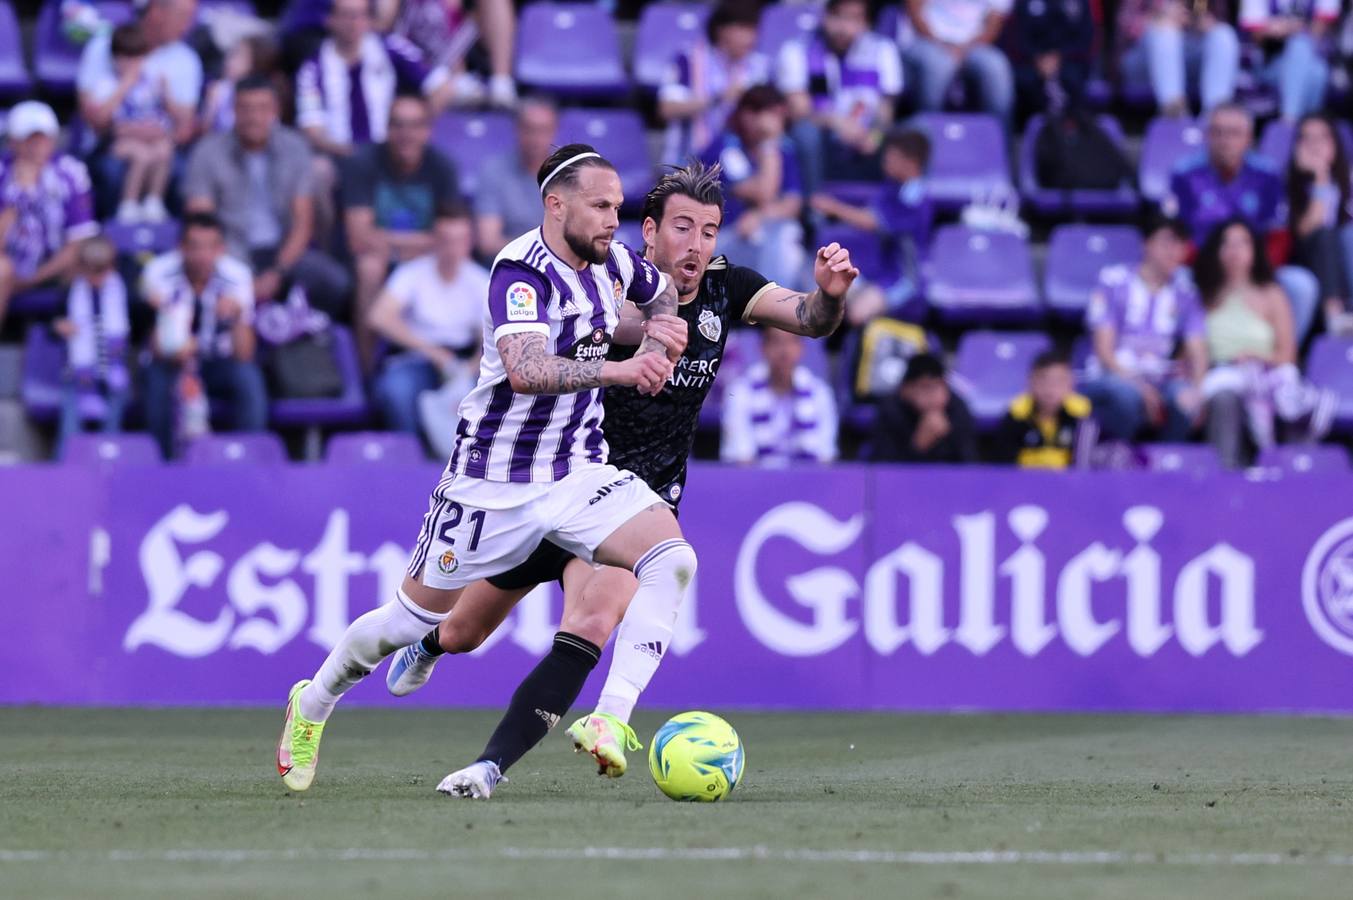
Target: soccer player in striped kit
{"x": 650, "y": 435}
{"x": 530, "y": 461}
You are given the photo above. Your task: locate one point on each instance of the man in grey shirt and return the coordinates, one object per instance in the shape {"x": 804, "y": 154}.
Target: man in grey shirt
{"x": 507, "y": 204}
{"x": 257, "y": 179}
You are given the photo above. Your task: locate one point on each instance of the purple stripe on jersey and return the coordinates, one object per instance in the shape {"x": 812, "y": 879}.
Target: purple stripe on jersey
{"x": 455, "y": 452}
{"x": 595, "y": 438}
{"x": 528, "y": 439}
{"x": 481, "y": 445}
{"x": 594, "y": 441}
{"x": 564, "y": 451}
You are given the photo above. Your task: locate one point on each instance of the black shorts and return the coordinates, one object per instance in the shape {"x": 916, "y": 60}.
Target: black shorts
{"x": 545, "y": 564}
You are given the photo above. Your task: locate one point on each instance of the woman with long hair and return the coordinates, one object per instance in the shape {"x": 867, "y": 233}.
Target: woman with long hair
{"x": 1252, "y": 345}
{"x": 1318, "y": 202}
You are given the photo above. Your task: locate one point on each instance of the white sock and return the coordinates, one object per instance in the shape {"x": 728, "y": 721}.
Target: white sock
{"x": 367, "y": 641}
{"x": 645, "y": 633}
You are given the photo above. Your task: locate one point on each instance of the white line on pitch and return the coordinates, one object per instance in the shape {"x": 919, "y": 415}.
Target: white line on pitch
{"x": 686, "y": 854}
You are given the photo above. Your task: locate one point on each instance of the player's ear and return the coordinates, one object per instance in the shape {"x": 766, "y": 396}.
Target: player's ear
{"x": 649, "y": 230}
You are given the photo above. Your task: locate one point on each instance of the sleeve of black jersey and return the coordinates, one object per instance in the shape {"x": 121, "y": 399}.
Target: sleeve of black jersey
{"x": 744, "y": 287}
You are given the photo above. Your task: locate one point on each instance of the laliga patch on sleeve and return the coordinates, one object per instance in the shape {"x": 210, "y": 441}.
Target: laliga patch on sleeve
{"x": 521, "y": 302}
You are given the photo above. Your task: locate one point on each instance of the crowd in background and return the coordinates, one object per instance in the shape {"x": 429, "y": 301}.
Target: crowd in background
{"x": 295, "y": 160}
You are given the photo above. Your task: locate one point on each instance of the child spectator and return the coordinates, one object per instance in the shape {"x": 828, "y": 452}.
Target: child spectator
{"x": 1049, "y": 427}
{"x": 95, "y": 328}
{"x": 778, "y": 412}
{"x": 901, "y": 215}
{"x": 763, "y": 190}
{"x": 925, "y": 422}
{"x": 134, "y": 103}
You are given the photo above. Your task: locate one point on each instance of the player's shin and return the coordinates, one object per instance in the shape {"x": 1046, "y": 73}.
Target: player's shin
{"x": 542, "y": 699}
{"x": 368, "y": 640}
{"x": 645, "y": 633}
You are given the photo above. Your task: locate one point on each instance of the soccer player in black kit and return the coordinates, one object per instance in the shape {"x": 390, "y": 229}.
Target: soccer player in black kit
{"x": 651, "y": 437}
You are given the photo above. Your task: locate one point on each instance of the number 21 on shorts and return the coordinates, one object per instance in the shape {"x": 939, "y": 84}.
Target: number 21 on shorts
{"x": 448, "y": 562}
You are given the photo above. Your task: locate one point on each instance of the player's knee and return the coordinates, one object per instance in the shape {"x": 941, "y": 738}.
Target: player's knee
{"x": 595, "y": 621}
{"x": 673, "y": 559}
{"x": 460, "y": 637}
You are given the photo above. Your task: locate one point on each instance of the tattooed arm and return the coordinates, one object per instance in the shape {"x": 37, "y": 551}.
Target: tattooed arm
{"x": 819, "y": 313}
{"x": 531, "y": 369}
{"x": 665, "y": 304}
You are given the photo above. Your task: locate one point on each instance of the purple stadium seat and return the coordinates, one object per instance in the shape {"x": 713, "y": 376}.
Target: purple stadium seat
{"x": 1330, "y": 365}
{"x": 1190, "y": 459}
{"x": 991, "y": 368}
{"x": 471, "y": 139}
{"x": 90, "y": 449}
{"x": 785, "y": 22}
{"x": 665, "y": 31}
{"x": 1306, "y": 459}
{"x": 135, "y": 240}
{"x": 43, "y": 359}
{"x": 866, "y": 251}
{"x": 1076, "y": 254}
{"x": 1168, "y": 140}
{"x": 550, "y": 37}
{"x": 1082, "y": 348}
{"x": 1051, "y": 202}
{"x": 982, "y": 276}
{"x": 618, "y": 134}
{"x": 347, "y": 410}
{"x": 14, "y": 77}
{"x": 56, "y": 59}
{"x": 1276, "y": 143}
{"x": 360, "y": 447}
{"x": 968, "y": 158}
{"x": 227, "y": 449}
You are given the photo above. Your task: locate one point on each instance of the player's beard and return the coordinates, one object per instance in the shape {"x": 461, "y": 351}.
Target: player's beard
{"x": 585, "y": 247}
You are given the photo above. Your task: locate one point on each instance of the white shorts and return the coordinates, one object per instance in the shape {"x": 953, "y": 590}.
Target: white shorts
{"x": 476, "y": 529}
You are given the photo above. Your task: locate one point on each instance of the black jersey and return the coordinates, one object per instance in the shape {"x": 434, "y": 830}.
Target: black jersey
{"x": 652, "y": 436}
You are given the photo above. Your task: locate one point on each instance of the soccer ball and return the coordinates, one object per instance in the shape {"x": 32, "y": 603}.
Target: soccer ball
{"x": 696, "y": 756}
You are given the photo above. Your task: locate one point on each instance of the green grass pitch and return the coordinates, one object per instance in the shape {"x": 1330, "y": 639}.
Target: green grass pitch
{"x": 177, "y": 803}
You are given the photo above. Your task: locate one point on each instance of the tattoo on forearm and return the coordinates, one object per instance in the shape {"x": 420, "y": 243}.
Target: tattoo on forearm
{"x": 539, "y": 372}
{"x": 663, "y": 304}
{"x": 818, "y": 314}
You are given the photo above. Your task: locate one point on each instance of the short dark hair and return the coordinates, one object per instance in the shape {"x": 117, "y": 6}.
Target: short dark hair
{"x": 923, "y": 365}
{"x": 760, "y": 97}
{"x": 911, "y": 143}
{"x": 695, "y": 180}
{"x": 255, "y": 83}
{"x": 406, "y": 94}
{"x": 568, "y": 176}
{"x": 732, "y": 12}
{"x": 454, "y": 208}
{"x": 129, "y": 41}
{"x": 833, "y": 5}
{"x": 1049, "y": 358}
{"x": 201, "y": 220}
{"x": 1154, "y": 219}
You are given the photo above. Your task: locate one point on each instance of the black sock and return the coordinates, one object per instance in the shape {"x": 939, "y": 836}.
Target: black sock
{"x": 431, "y": 645}
{"x": 542, "y": 699}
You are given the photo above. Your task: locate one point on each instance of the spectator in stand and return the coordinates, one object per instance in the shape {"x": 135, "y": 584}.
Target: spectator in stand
{"x": 391, "y": 192}
{"x": 170, "y": 63}
{"x": 134, "y": 108}
{"x": 204, "y": 305}
{"x": 705, "y": 82}
{"x": 46, "y": 204}
{"x": 1169, "y": 46}
{"x": 1250, "y": 341}
{"x": 958, "y": 38}
{"x": 901, "y": 215}
{"x": 446, "y": 32}
{"x": 841, "y": 85}
{"x": 925, "y": 422}
{"x": 1318, "y": 207}
{"x": 257, "y": 179}
{"x": 1293, "y": 36}
{"x": 1228, "y": 181}
{"x": 1138, "y": 316}
{"x": 778, "y": 412}
{"x": 507, "y": 203}
{"x": 1049, "y": 427}
{"x": 762, "y": 188}
{"x": 249, "y": 58}
{"x": 95, "y": 327}
{"x": 1056, "y": 44}
{"x": 430, "y": 311}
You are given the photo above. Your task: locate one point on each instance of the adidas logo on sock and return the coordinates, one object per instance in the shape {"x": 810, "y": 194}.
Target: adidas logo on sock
{"x": 550, "y": 718}
{"x": 652, "y": 648}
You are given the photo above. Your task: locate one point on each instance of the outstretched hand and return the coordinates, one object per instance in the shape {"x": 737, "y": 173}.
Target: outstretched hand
{"x": 833, "y": 270}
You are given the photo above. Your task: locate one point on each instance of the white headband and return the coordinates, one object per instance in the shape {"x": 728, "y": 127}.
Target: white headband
{"x": 564, "y": 165}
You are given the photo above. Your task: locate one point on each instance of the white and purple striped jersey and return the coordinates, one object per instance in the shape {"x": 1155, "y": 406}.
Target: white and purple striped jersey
{"x": 509, "y": 437}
